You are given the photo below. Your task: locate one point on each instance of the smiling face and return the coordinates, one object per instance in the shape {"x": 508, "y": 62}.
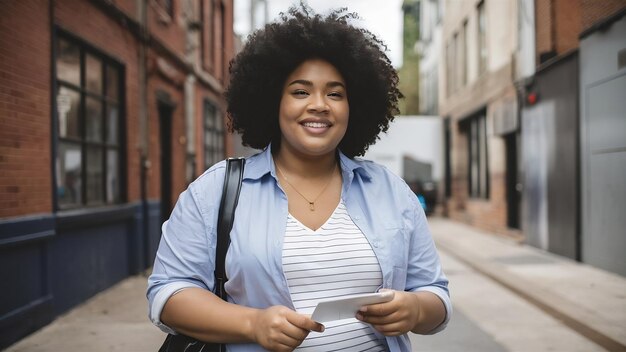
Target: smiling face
{"x": 314, "y": 110}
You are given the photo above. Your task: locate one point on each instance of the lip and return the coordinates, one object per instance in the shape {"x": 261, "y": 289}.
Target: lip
{"x": 316, "y": 125}
{"x": 316, "y": 121}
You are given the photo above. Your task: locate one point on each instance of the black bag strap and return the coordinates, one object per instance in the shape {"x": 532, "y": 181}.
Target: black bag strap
{"x": 226, "y": 217}
{"x": 225, "y": 220}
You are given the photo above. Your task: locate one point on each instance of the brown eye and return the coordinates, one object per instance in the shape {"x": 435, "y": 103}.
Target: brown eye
{"x": 335, "y": 95}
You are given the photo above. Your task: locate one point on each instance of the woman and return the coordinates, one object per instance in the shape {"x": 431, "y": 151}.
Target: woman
{"x": 312, "y": 221}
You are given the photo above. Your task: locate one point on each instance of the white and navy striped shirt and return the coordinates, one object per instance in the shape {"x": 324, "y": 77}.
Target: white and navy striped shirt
{"x": 334, "y": 261}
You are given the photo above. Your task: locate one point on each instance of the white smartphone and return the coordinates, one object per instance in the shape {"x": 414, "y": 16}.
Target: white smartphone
{"x": 347, "y": 307}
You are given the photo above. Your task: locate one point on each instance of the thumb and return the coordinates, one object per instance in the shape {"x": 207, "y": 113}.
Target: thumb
{"x": 305, "y": 322}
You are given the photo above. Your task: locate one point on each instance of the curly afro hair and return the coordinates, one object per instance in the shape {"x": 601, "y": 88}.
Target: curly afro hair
{"x": 259, "y": 71}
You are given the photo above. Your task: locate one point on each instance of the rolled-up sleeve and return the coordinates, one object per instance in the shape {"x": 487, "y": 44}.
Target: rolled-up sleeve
{"x": 186, "y": 254}
{"x": 424, "y": 272}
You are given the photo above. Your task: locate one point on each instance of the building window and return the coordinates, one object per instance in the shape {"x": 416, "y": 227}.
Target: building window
{"x": 429, "y": 92}
{"x": 206, "y": 35}
{"x": 89, "y": 114}
{"x": 218, "y": 42}
{"x": 482, "y": 38}
{"x": 463, "y": 54}
{"x": 451, "y": 66}
{"x": 478, "y": 167}
{"x": 433, "y": 96}
{"x": 213, "y": 135}
{"x": 167, "y": 6}
{"x": 225, "y": 32}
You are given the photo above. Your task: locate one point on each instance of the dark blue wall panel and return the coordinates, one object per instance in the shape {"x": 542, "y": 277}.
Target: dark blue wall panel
{"x": 25, "y": 304}
{"x": 86, "y": 261}
{"x": 56, "y": 261}
{"x": 26, "y": 280}
{"x": 154, "y": 229}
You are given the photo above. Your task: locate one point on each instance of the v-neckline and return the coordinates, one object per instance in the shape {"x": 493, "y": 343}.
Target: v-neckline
{"x": 321, "y": 226}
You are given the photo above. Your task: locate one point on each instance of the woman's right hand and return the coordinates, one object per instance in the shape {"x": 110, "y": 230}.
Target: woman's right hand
{"x": 279, "y": 328}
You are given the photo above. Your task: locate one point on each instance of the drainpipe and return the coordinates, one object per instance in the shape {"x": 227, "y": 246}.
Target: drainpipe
{"x": 144, "y": 134}
{"x": 192, "y": 37}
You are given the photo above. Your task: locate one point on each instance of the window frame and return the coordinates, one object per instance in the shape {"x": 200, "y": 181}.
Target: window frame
{"x": 213, "y": 149}
{"x": 450, "y": 66}
{"x": 166, "y": 6}
{"x": 104, "y": 145}
{"x": 464, "y": 61}
{"x": 207, "y": 35}
{"x": 481, "y": 30}
{"x": 478, "y": 177}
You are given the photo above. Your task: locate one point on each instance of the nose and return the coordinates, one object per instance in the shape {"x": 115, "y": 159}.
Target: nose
{"x": 318, "y": 104}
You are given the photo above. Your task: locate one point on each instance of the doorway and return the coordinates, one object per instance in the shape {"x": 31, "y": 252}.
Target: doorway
{"x": 166, "y": 109}
{"x": 513, "y": 185}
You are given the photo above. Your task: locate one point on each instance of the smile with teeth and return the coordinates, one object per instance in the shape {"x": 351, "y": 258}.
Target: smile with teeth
{"x": 316, "y": 124}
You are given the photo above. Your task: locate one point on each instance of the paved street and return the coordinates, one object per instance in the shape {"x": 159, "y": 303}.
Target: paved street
{"x": 488, "y": 317}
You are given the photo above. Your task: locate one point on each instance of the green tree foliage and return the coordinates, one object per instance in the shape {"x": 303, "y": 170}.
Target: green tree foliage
{"x": 409, "y": 72}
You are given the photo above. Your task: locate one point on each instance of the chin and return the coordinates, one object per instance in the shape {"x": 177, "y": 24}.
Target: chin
{"x": 317, "y": 150}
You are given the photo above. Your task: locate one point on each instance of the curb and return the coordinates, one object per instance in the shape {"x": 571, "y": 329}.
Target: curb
{"x": 565, "y": 311}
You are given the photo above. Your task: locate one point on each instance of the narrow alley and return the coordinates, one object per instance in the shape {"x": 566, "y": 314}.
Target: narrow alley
{"x": 488, "y": 316}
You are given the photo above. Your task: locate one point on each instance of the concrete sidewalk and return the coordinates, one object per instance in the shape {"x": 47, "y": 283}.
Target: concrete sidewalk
{"x": 588, "y": 300}
{"x": 113, "y": 320}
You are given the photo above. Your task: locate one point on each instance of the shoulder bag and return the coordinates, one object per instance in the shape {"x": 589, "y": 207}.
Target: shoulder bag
{"x": 226, "y": 217}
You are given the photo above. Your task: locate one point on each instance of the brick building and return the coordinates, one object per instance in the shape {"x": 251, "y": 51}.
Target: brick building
{"x": 478, "y": 100}
{"x": 532, "y": 92}
{"x": 107, "y": 110}
{"x": 573, "y": 118}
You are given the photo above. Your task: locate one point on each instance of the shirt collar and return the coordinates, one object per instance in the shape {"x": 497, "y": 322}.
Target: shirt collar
{"x": 262, "y": 163}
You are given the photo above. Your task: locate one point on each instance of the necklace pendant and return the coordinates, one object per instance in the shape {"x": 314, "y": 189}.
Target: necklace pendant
{"x": 311, "y": 206}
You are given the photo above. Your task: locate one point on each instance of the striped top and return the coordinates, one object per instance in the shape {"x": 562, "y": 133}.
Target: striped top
{"x": 335, "y": 260}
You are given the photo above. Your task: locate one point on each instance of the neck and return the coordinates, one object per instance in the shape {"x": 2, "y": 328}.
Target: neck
{"x": 306, "y": 166}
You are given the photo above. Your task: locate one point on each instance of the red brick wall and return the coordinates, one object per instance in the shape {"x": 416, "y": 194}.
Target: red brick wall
{"x": 594, "y": 11}
{"x": 229, "y": 50}
{"x": 129, "y": 7}
{"x": 89, "y": 23}
{"x": 25, "y": 177}
{"x": 25, "y": 106}
{"x": 170, "y": 31}
{"x": 178, "y": 151}
{"x": 567, "y": 24}
{"x": 544, "y": 40}
{"x": 557, "y": 25}
{"x": 487, "y": 214}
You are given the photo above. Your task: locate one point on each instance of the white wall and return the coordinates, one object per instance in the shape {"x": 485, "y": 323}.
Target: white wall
{"x": 603, "y": 147}
{"x": 419, "y": 137}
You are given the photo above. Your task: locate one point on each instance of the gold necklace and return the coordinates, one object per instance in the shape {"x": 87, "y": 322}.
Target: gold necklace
{"x": 311, "y": 203}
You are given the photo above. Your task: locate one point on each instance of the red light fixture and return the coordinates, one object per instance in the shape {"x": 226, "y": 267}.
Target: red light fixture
{"x": 531, "y": 98}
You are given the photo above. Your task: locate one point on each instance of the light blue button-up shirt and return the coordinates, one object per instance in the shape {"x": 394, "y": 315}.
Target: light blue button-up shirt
{"x": 379, "y": 202}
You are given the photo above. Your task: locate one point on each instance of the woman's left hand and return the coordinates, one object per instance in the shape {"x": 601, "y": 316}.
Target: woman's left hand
{"x": 393, "y": 318}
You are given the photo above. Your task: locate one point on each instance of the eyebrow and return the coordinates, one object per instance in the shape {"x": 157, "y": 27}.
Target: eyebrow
{"x": 309, "y": 83}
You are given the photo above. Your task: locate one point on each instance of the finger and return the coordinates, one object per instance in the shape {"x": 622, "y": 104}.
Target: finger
{"x": 295, "y": 333}
{"x": 393, "y": 329}
{"x": 288, "y": 341}
{"x": 396, "y": 317}
{"x": 379, "y": 319}
{"x": 304, "y": 322}
{"x": 380, "y": 309}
